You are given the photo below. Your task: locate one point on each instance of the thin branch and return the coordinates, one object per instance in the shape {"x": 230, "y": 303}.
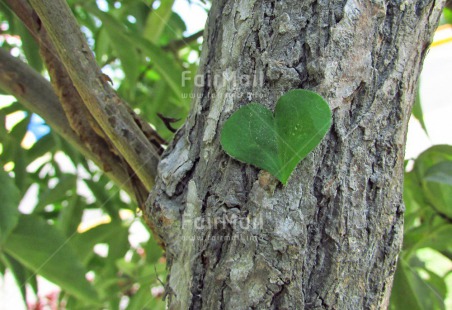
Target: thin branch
{"x": 110, "y": 112}
{"x": 37, "y": 95}
{"x": 178, "y": 44}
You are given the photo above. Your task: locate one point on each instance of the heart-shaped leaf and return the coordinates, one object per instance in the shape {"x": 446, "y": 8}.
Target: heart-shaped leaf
{"x": 277, "y": 143}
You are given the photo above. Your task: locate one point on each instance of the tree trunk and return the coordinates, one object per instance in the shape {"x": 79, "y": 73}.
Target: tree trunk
{"x": 329, "y": 239}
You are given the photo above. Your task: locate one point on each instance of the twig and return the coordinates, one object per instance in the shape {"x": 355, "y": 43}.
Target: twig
{"x": 178, "y": 44}
{"x": 168, "y": 121}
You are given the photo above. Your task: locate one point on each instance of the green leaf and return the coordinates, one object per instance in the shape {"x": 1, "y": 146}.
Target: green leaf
{"x": 20, "y": 129}
{"x": 437, "y": 194}
{"x": 44, "y": 250}
{"x": 437, "y": 238}
{"x": 118, "y": 243}
{"x": 430, "y": 157}
{"x": 21, "y": 274}
{"x": 413, "y": 195}
{"x": 30, "y": 48}
{"x": 126, "y": 53}
{"x": 69, "y": 150}
{"x": 20, "y": 169}
{"x": 13, "y": 107}
{"x": 166, "y": 106}
{"x": 10, "y": 198}
{"x": 104, "y": 199}
{"x": 68, "y": 182}
{"x": 410, "y": 291}
{"x": 102, "y": 46}
{"x": 143, "y": 300}
{"x": 126, "y": 267}
{"x": 437, "y": 284}
{"x": 174, "y": 30}
{"x": 8, "y": 16}
{"x": 403, "y": 295}
{"x": 164, "y": 64}
{"x": 42, "y": 146}
{"x": 71, "y": 216}
{"x": 84, "y": 243}
{"x": 157, "y": 20}
{"x": 153, "y": 251}
{"x": 417, "y": 110}
{"x": 277, "y": 143}
{"x": 446, "y": 17}
{"x": 440, "y": 173}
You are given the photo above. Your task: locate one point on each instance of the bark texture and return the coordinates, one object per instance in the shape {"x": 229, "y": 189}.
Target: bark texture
{"x": 329, "y": 239}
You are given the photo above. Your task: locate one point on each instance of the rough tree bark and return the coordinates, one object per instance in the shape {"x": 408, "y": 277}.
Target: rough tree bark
{"x": 330, "y": 238}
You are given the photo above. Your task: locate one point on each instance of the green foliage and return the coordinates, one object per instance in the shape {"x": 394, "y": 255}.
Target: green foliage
{"x": 157, "y": 20}
{"x": 417, "y": 110}
{"x": 52, "y": 242}
{"x": 43, "y": 249}
{"x": 446, "y": 17}
{"x": 10, "y": 198}
{"x": 60, "y": 190}
{"x": 428, "y": 226}
{"x": 277, "y": 143}
{"x": 122, "y": 40}
{"x": 440, "y": 173}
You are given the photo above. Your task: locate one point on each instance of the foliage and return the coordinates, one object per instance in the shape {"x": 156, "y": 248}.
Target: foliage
{"x": 144, "y": 51}
{"x": 277, "y": 142}
{"x": 428, "y": 227}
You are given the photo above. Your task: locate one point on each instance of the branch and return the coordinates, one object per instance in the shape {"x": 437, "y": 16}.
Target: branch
{"x": 78, "y": 116}
{"x": 37, "y": 95}
{"x": 178, "y": 44}
{"x": 110, "y": 112}
{"x": 80, "y": 119}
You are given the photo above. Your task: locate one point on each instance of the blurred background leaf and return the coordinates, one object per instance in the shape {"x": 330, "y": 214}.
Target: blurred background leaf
{"x": 428, "y": 230}
{"x": 70, "y": 213}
